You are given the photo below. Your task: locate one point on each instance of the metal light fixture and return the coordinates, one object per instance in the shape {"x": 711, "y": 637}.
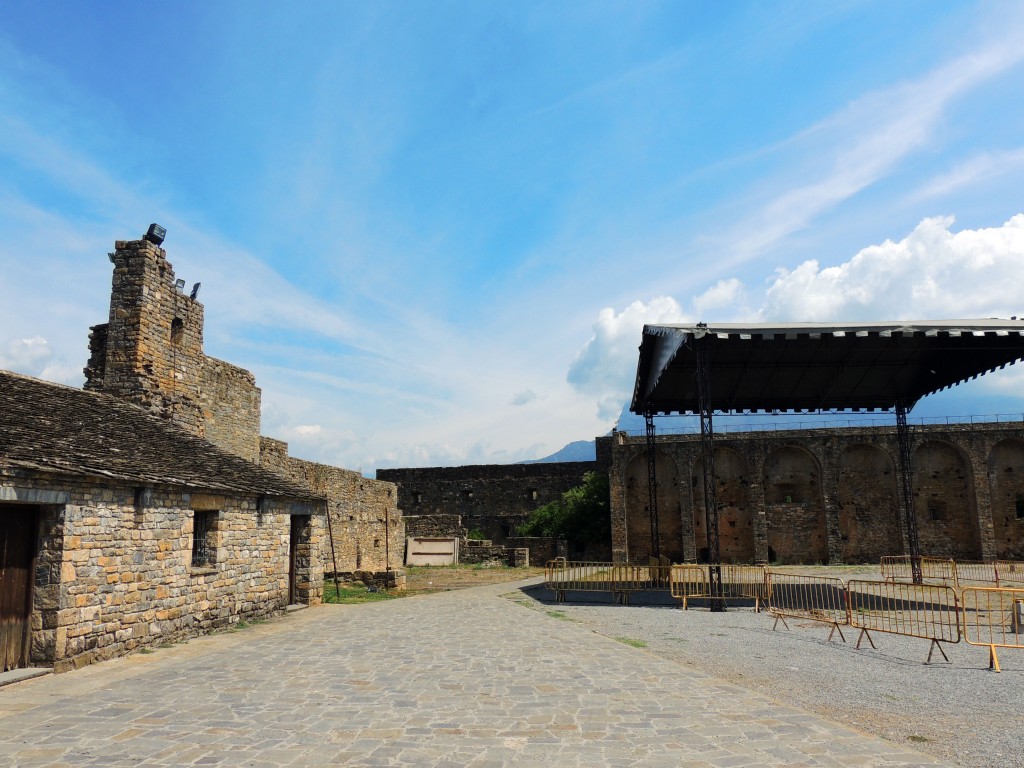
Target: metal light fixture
{"x": 155, "y": 234}
{"x": 179, "y": 285}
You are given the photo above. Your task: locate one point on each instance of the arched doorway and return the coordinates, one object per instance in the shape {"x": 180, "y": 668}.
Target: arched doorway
{"x": 794, "y": 508}
{"x": 735, "y": 517}
{"x": 638, "y": 519}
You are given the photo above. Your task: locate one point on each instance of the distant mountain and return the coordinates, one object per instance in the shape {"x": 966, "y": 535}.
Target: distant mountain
{"x": 580, "y": 450}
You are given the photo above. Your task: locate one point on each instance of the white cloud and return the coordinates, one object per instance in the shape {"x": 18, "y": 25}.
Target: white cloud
{"x": 606, "y": 364}
{"x": 933, "y": 273}
{"x": 722, "y": 294}
{"x": 35, "y": 357}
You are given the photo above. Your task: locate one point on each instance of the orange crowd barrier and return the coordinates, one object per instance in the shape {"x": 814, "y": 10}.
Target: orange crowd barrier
{"x": 800, "y": 596}
{"x": 993, "y": 617}
{"x": 739, "y": 582}
{"x": 928, "y": 611}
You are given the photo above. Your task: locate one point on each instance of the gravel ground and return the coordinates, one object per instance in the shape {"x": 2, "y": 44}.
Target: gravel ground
{"x": 958, "y": 711}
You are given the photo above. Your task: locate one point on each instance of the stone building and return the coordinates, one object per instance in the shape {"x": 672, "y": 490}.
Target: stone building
{"x": 491, "y": 499}
{"x": 119, "y": 530}
{"x": 147, "y": 507}
{"x": 150, "y": 353}
{"x": 825, "y": 495}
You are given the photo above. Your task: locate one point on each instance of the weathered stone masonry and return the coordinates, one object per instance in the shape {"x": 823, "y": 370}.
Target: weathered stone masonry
{"x": 112, "y": 497}
{"x": 825, "y": 495}
{"x": 150, "y": 353}
{"x": 367, "y": 527}
{"x": 491, "y": 499}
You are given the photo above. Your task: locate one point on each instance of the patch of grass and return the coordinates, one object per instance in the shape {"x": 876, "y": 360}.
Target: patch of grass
{"x": 355, "y": 592}
{"x": 632, "y": 641}
{"x": 147, "y": 649}
{"x": 918, "y": 739}
{"x": 558, "y": 615}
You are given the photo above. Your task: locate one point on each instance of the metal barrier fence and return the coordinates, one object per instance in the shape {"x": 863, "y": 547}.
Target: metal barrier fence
{"x": 984, "y": 573}
{"x": 928, "y": 611}
{"x": 994, "y": 617}
{"x": 799, "y": 596}
{"x": 739, "y": 582}
{"x": 901, "y": 568}
{"x": 620, "y": 579}
{"x": 1010, "y": 572}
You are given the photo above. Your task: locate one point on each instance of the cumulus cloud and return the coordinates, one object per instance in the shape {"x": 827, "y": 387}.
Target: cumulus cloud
{"x": 28, "y": 356}
{"x": 933, "y": 273}
{"x": 523, "y": 398}
{"x": 606, "y": 364}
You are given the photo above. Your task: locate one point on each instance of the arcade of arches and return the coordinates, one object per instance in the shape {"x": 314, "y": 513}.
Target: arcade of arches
{"x": 824, "y": 495}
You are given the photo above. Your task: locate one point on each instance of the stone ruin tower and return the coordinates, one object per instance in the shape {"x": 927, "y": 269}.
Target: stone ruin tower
{"x": 150, "y": 352}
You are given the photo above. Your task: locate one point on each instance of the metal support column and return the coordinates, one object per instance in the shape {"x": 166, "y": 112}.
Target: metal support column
{"x": 907, "y": 486}
{"x": 652, "y": 483}
{"x": 707, "y": 445}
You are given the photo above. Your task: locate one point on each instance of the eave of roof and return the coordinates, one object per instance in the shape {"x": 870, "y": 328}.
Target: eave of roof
{"x": 50, "y": 427}
{"x": 818, "y": 366}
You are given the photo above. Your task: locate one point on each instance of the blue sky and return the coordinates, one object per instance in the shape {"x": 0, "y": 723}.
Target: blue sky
{"x": 435, "y": 230}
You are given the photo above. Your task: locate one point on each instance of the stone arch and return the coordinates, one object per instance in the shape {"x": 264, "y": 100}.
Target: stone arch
{"x": 794, "y": 508}
{"x": 1006, "y": 470}
{"x": 638, "y": 520}
{"x": 868, "y": 497}
{"x": 947, "y": 525}
{"x": 735, "y": 516}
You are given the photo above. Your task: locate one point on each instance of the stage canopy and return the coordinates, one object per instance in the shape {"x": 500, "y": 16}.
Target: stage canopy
{"x": 817, "y": 366}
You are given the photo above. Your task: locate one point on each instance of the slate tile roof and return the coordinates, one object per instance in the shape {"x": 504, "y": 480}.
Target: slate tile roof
{"x": 55, "y": 428}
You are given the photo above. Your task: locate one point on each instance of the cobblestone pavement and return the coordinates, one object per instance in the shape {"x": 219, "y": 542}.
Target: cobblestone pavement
{"x": 453, "y": 679}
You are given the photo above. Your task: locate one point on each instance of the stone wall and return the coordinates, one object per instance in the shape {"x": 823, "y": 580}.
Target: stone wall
{"x": 112, "y": 576}
{"x": 435, "y": 526}
{"x": 366, "y": 525}
{"x": 825, "y": 495}
{"x": 150, "y": 352}
{"x": 491, "y": 499}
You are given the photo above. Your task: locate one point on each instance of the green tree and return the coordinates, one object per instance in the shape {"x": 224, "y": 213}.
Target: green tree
{"x": 582, "y": 514}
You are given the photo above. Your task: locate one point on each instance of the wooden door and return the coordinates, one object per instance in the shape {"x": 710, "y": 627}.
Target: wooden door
{"x": 18, "y": 530}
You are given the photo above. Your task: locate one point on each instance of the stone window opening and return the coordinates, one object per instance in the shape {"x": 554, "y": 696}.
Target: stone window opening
{"x": 177, "y": 330}
{"x": 533, "y": 494}
{"x": 417, "y": 497}
{"x": 204, "y": 538}
{"x": 467, "y": 495}
{"x": 1018, "y": 504}
{"x": 936, "y": 509}
{"x": 376, "y": 542}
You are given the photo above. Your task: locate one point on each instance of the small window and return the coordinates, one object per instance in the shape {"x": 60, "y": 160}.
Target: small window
{"x": 417, "y": 497}
{"x": 1018, "y": 504}
{"x": 936, "y": 509}
{"x": 204, "y": 539}
{"x": 467, "y": 495}
{"x": 533, "y": 494}
{"x": 177, "y": 330}
{"x": 376, "y": 542}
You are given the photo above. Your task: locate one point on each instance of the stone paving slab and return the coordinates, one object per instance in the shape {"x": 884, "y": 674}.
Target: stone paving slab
{"x": 462, "y": 678}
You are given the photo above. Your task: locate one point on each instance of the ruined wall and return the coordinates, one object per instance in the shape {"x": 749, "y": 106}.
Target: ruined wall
{"x": 491, "y": 499}
{"x": 150, "y": 352}
{"x": 435, "y": 526}
{"x": 735, "y": 514}
{"x": 670, "y": 522}
{"x": 868, "y": 490}
{"x": 1006, "y": 473}
{"x": 366, "y": 524}
{"x": 112, "y": 577}
{"x": 831, "y": 495}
